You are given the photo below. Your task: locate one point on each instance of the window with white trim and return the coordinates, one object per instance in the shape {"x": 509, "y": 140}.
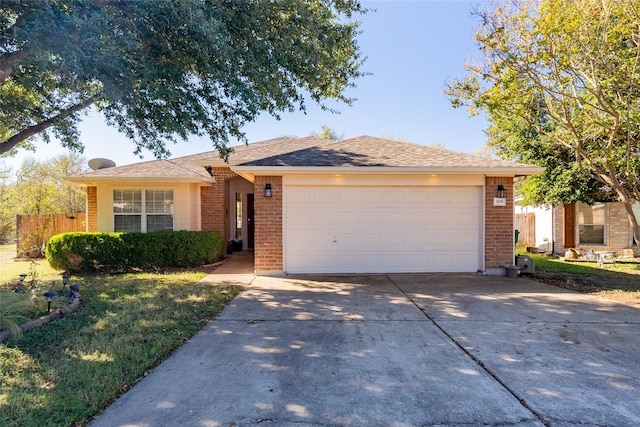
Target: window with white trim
{"x": 591, "y": 222}
{"x": 142, "y": 210}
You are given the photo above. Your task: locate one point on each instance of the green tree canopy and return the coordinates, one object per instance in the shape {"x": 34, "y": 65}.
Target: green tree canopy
{"x": 561, "y": 88}
{"x": 327, "y": 133}
{"x": 39, "y": 187}
{"x": 162, "y": 70}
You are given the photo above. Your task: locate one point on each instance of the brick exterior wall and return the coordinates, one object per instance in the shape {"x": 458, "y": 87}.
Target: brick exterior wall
{"x": 558, "y": 229}
{"x": 92, "y": 209}
{"x": 268, "y": 225}
{"x": 214, "y": 202}
{"x": 618, "y": 234}
{"x": 499, "y": 231}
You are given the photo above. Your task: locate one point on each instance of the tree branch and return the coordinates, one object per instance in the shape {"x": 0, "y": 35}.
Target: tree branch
{"x": 30, "y": 131}
{"x": 9, "y": 61}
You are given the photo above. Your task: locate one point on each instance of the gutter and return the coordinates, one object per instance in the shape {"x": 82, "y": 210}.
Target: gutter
{"x": 382, "y": 170}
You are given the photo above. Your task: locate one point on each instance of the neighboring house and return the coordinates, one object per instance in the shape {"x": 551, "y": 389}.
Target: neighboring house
{"x": 601, "y": 227}
{"x": 308, "y": 205}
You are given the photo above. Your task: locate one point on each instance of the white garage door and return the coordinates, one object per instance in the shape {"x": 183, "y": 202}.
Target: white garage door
{"x": 382, "y": 229}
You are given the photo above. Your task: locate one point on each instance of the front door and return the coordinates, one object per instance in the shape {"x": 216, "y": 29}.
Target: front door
{"x": 250, "y": 224}
{"x": 570, "y": 226}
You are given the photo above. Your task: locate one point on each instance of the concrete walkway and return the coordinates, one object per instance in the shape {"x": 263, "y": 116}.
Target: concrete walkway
{"x": 236, "y": 270}
{"x": 399, "y": 350}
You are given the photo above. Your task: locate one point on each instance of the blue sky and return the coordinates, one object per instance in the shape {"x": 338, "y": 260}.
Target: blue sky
{"x": 413, "y": 48}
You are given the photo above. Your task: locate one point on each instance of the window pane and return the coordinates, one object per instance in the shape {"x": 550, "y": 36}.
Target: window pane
{"x": 159, "y": 201}
{"x": 591, "y": 222}
{"x": 159, "y": 222}
{"x": 591, "y": 214}
{"x": 127, "y": 201}
{"x": 592, "y": 234}
{"x": 238, "y": 215}
{"x": 127, "y": 223}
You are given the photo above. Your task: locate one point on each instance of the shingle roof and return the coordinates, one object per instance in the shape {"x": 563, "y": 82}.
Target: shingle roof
{"x": 182, "y": 168}
{"x": 307, "y": 152}
{"x": 365, "y": 151}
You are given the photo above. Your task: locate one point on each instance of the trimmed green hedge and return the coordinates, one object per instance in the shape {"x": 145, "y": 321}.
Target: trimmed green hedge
{"x": 89, "y": 252}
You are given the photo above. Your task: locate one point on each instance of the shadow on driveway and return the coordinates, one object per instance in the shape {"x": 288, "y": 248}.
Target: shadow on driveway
{"x": 399, "y": 350}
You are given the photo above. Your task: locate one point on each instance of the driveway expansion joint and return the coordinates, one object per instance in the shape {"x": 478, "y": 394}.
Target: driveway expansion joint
{"x": 479, "y": 362}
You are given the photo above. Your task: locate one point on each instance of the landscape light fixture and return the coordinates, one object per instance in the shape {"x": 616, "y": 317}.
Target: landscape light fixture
{"x": 502, "y": 192}
{"x": 49, "y": 296}
{"x": 267, "y": 190}
{"x": 65, "y": 279}
{"x": 22, "y": 277}
{"x": 73, "y": 290}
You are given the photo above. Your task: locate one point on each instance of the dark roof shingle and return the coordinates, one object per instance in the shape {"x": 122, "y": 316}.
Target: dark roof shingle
{"x": 312, "y": 151}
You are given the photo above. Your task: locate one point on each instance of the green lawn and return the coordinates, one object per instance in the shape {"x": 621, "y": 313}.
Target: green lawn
{"x": 10, "y": 267}
{"x": 620, "y": 282}
{"x": 67, "y": 371}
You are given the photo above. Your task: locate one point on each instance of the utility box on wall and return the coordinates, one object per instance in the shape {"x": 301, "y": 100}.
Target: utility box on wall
{"x": 525, "y": 264}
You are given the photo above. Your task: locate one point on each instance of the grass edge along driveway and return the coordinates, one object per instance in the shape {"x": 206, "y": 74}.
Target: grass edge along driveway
{"x": 67, "y": 371}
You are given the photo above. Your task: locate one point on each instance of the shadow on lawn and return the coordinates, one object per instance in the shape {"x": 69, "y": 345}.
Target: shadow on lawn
{"x": 68, "y": 370}
{"x": 588, "y": 277}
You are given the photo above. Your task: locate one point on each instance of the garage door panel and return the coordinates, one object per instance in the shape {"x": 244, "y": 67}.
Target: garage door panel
{"x": 418, "y": 219}
{"x": 421, "y": 195}
{"x": 370, "y": 240}
{"x": 396, "y": 241}
{"x": 375, "y": 196}
{"x": 348, "y": 219}
{"x": 348, "y": 196}
{"x": 323, "y": 220}
{"x": 298, "y": 199}
{"x": 373, "y": 220}
{"x": 396, "y": 196}
{"x": 321, "y": 197}
{"x": 383, "y": 229}
{"x": 395, "y": 219}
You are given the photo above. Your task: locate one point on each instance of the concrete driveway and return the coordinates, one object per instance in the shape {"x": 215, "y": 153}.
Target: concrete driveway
{"x": 399, "y": 350}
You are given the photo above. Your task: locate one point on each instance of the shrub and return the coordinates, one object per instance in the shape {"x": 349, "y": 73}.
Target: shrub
{"x": 90, "y": 252}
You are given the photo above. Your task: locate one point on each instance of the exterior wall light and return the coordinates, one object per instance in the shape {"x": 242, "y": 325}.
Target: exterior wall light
{"x": 501, "y": 196}
{"x": 502, "y": 192}
{"x": 267, "y": 190}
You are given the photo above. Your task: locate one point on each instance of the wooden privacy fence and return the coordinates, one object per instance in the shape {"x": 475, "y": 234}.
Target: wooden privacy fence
{"x": 35, "y": 230}
{"x": 526, "y": 225}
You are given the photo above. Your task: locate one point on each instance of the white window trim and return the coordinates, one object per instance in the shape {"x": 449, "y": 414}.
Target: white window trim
{"x": 143, "y": 214}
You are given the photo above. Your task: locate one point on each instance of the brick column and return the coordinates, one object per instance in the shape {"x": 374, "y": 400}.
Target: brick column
{"x": 214, "y": 203}
{"x": 499, "y": 231}
{"x": 559, "y": 245}
{"x": 268, "y": 226}
{"x": 92, "y": 209}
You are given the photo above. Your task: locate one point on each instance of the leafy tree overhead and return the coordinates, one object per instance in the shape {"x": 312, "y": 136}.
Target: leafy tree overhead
{"x": 560, "y": 83}
{"x": 162, "y": 70}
